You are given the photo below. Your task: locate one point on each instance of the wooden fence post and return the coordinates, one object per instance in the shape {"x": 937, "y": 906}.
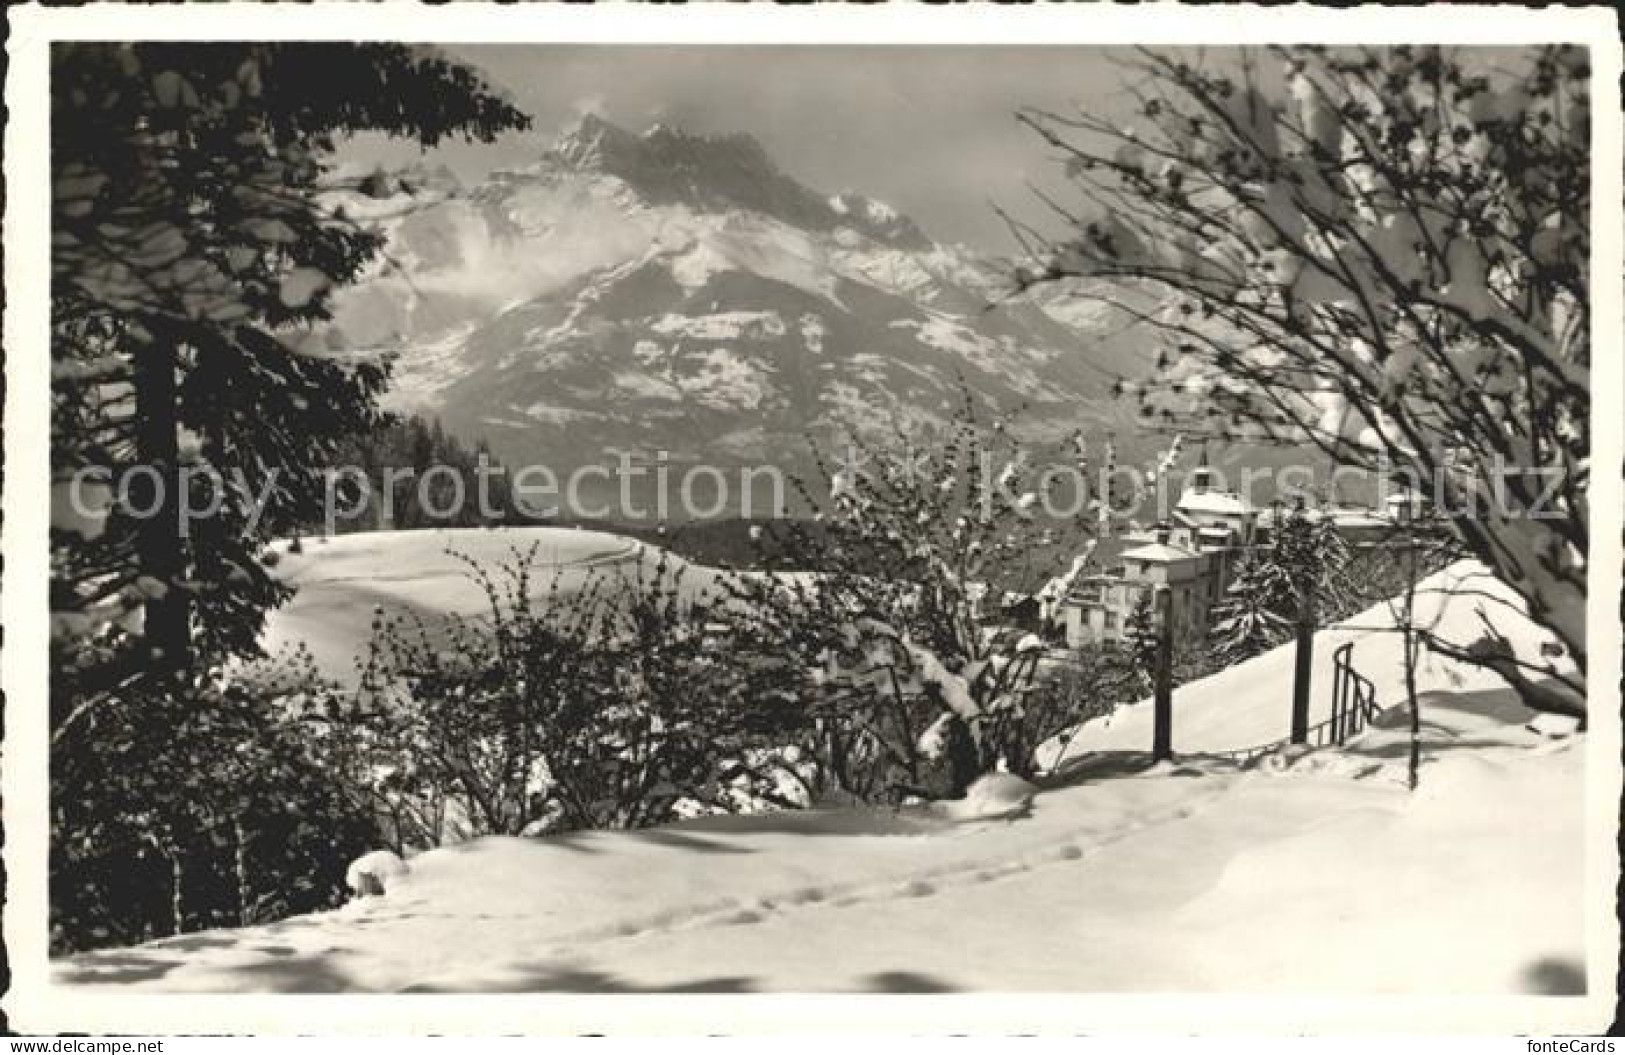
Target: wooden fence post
{"x": 1163, "y": 700}
{"x": 1305, "y": 658}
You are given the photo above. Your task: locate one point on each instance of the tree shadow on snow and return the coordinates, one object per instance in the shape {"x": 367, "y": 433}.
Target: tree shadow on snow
{"x": 194, "y": 943}
{"x": 114, "y": 968}
{"x": 554, "y": 978}
{"x": 863, "y": 820}
{"x": 905, "y": 982}
{"x": 1094, "y": 766}
{"x": 1501, "y": 705}
{"x": 1555, "y": 976}
{"x": 275, "y": 968}
{"x": 1440, "y": 733}
{"x": 294, "y": 974}
{"x": 144, "y": 963}
{"x": 678, "y": 839}
{"x": 673, "y": 836}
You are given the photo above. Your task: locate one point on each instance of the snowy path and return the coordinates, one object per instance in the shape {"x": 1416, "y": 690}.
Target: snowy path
{"x": 1202, "y": 877}
{"x": 1267, "y": 889}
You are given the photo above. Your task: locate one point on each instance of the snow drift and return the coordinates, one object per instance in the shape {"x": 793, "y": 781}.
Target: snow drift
{"x": 1318, "y": 873}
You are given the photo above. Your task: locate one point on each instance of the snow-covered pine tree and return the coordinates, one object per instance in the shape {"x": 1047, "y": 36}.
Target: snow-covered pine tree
{"x": 1248, "y": 620}
{"x": 193, "y": 252}
{"x": 1140, "y": 638}
{"x": 1312, "y": 559}
{"x": 1306, "y": 559}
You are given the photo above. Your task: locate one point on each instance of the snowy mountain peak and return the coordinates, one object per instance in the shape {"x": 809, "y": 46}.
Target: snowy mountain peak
{"x": 668, "y": 290}
{"x": 722, "y": 173}
{"x": 596, "y": 143}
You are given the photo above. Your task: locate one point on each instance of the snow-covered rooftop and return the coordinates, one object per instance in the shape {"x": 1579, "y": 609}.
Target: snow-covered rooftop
{"x": 1342, "y": 516}
{"x": 1160, "y": 551}
{"x": 1224, "y": 502}
{"x": 1358, "y": 518}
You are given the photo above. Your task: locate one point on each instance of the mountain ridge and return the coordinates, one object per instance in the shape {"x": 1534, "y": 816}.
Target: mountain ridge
{"x": 678, "y": 292}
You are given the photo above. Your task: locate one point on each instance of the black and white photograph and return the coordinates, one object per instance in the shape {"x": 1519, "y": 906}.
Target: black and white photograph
{"x": 887, "y": 515}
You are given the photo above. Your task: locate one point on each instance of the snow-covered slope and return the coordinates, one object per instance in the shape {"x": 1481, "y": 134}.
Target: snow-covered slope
{"x": 679, "y": 292}
{"x": 1326, "y": 876}
{"x": 1225, "y": 712}
{"x": 1308, "y": 871}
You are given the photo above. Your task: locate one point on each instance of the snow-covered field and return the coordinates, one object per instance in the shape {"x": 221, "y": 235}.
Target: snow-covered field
{"x": 1309, "y": 872}
{"x": 342, "y": 578}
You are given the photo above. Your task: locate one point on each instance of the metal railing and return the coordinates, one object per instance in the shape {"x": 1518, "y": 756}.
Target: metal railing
{"x": 1354, "y": 698}
{"x": 1354, "y": 704}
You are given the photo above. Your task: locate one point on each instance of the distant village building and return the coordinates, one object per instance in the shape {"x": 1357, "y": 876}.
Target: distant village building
{"x": 1193, "y": 553}
{"x": 1360, "y": 526}
{"x": 1099, "y": 607}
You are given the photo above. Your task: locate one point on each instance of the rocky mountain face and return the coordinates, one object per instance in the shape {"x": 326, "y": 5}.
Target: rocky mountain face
{"x": 637, "y": 293}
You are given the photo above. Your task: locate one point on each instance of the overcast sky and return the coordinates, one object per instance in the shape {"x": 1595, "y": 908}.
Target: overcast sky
{"x": 929, "y": 130}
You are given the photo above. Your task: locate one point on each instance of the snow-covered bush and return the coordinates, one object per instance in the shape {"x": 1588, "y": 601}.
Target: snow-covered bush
{"x": 1090, "y": 683}
{"x": 373, "y": 873}
{"x": 603, "y": 706}
{"x": 208, "y": 803}
{"x": 993, "y": 797}
{"x": 879, "y": 632}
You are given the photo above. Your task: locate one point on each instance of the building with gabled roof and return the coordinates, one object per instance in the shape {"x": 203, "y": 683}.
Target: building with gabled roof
{"x": 1099, "y": 606}
{"x": 1193, "y": 553}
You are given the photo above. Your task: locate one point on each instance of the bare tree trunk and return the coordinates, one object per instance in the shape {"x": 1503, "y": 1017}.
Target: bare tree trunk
{"x": 177, "y": 891}
{"x": 240, "y": 866}
{"x": 177, "y": 881}
{"x": 1162, "y": 702}
{"x": 1303, "y": 665}
{"x": 159, "y": 544}
{"x": 1410, "y": 645}
{"x": 963, "y": 758}
{"x": 836, "y": 750}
